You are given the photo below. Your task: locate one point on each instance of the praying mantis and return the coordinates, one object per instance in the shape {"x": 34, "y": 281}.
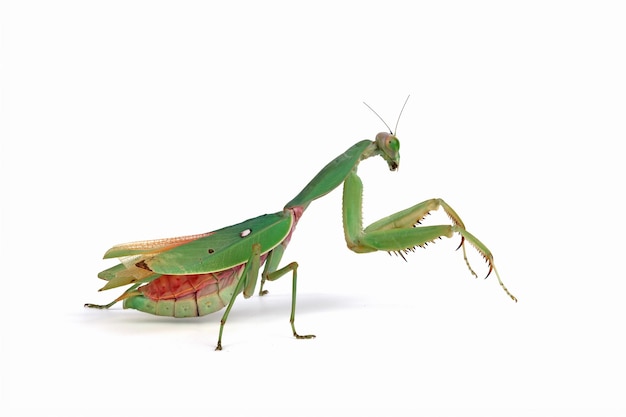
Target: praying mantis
{"x": 200, "y": 274}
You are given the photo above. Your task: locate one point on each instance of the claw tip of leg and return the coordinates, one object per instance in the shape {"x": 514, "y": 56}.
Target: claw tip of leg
{"x": 489, "y": 272}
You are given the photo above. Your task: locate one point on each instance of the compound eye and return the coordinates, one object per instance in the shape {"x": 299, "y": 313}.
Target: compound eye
{"x": 393, "y": 143}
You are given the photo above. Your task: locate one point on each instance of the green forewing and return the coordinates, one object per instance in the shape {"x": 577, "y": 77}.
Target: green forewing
{"x": 224, "y": 248}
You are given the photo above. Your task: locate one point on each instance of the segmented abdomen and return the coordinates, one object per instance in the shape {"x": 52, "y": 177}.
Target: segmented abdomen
{"x": 187, "y": 295}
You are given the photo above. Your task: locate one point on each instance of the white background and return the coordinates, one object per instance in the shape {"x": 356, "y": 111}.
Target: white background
{"x": 130, "y": 120}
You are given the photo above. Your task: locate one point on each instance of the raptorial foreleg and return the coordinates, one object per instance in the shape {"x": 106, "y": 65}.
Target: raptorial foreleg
{"x": 402, "y": 232}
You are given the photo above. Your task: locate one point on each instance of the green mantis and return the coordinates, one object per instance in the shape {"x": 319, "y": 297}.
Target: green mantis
{"x": 201, "y": 274}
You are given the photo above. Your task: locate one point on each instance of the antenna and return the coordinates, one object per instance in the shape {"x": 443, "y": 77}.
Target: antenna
{"x": 401, "y": 110}
{"x": 382, "y": 120}
{"x": 368, "y": 106}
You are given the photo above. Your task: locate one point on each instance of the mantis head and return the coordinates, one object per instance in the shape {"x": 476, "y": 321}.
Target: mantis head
{"x": 387, "y": 144}
{"x": 389, "y": 149}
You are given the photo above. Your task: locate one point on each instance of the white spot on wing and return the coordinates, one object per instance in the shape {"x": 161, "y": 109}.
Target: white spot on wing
{"x": 245, "y": 233}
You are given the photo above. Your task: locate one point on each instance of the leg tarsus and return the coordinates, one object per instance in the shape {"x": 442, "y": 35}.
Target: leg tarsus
{"x": 485, "y": 252}
{"x": 296, "y": 335}
{"x": 100, "y": 306}
{"x": 132, "y": 291}
{"x": 306, "y": 336}
{"x": 261, "y": 290}
{"x": 462, "y": 245}
{"x": 222, "y": 323}
{"x": 503, "y": 286}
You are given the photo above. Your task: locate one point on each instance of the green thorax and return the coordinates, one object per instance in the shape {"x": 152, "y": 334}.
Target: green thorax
{"x": 333, "y": 174}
